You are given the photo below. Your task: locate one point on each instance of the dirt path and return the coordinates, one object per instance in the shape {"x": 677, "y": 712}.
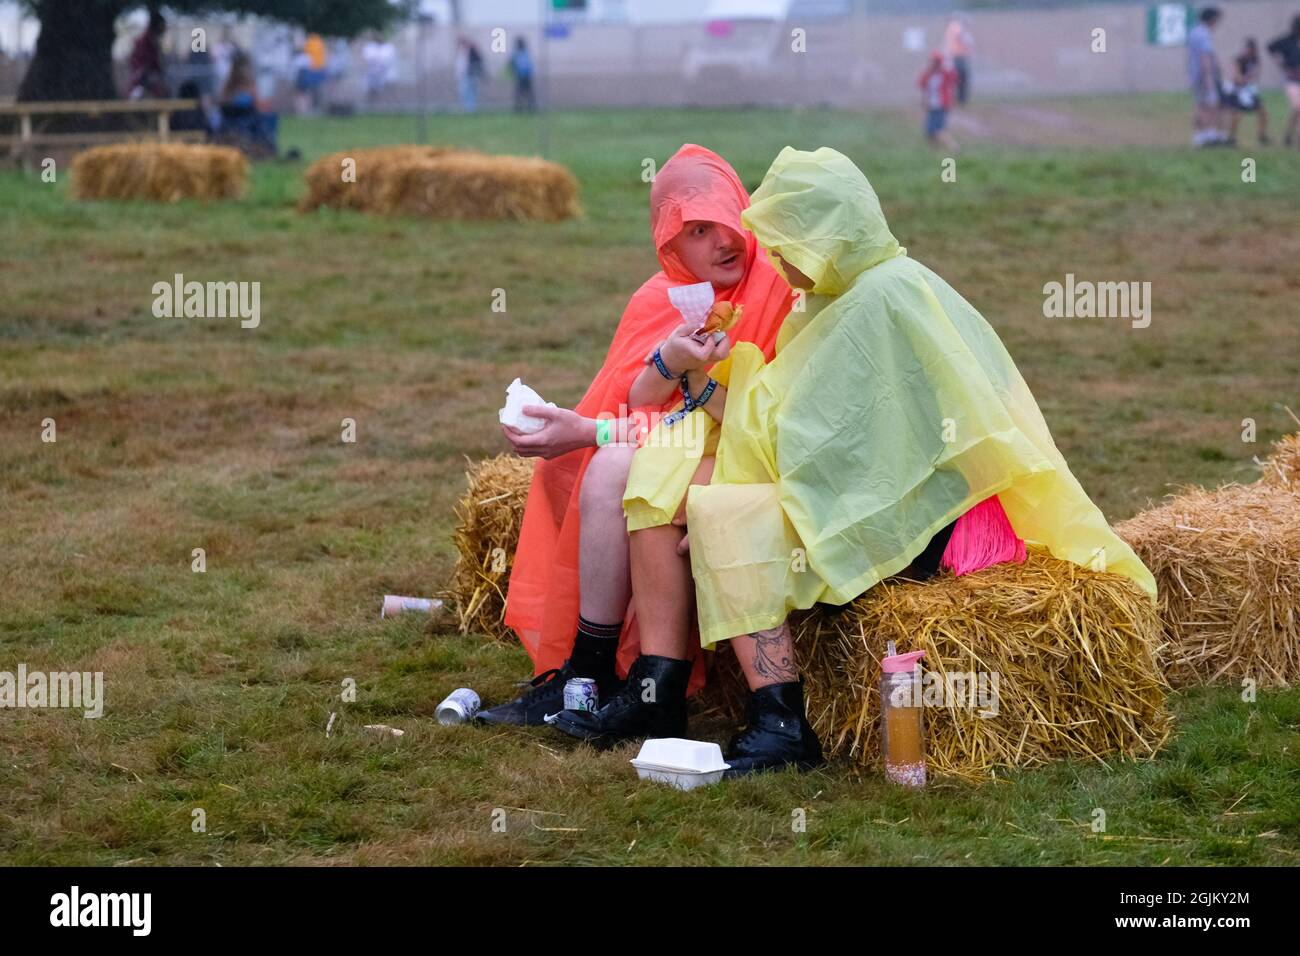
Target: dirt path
{"x": 1087, "y": 123}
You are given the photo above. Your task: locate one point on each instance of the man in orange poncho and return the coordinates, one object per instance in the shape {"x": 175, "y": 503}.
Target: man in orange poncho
{"x": 570, "y": 597}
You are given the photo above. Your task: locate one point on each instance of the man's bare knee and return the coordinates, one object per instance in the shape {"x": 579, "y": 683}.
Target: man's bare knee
{"x": 606, "y": 477}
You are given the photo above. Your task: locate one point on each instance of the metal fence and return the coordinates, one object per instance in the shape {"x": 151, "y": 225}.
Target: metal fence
{"x": 869, "y": 56}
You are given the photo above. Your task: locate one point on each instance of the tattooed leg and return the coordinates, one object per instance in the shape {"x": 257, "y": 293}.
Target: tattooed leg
{"x": 767, "y": 657}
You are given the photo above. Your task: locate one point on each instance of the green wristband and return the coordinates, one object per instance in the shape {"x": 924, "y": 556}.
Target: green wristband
{"x": 604, "y": 431}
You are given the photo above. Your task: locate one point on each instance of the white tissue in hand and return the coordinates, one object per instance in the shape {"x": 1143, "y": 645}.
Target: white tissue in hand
{"x": 517, "y": 396}
{"x": 693, "y": 301}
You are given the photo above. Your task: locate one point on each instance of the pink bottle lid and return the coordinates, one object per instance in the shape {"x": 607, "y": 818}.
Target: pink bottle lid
{"x": 901, "y": 663}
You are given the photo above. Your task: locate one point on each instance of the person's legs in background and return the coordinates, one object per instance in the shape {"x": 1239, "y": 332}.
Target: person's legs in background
{"x": 468, "y": 88}
{"x": 1206, "y": 118}
{"x": 1292, "y": 90}
{"x": 1234, "y": 121}
{"x": 936, "y": 130}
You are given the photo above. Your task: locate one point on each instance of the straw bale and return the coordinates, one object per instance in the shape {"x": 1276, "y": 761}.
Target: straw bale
{"x": 1227, "y": 564}
{"x": 489, "y": 516}
{"x": 476, "y": 186}
{"x": 1074, "y": 653}
{"x": 159, "y": 172}
{"x": 327, "y": 187}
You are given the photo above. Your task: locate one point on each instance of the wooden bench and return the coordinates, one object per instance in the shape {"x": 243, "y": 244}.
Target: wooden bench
{"x": 26, "y": 143}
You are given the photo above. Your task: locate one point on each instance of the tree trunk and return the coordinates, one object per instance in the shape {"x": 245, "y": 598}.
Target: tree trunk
{"x": 74, "y": 52}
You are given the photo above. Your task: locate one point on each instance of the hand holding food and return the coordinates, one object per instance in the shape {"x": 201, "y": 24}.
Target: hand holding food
{"x": 722, "y": 316}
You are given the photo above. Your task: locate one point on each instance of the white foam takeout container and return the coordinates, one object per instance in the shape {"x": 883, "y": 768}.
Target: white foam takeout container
{"x": 684, "y": 764}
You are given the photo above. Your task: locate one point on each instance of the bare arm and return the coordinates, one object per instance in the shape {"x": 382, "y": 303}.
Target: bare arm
{"x": 697, "y": 381}
{"x": 682, "y": 353}
{"x": 565, "y": 431}
{"x": 651, "y": 388}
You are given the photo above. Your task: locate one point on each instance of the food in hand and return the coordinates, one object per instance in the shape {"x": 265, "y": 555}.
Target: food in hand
{"x": 722, "y": 316}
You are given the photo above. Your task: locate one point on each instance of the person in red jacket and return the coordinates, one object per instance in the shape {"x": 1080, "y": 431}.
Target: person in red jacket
{"x": 147, "y": 78}
{"x": 937, "y": 84}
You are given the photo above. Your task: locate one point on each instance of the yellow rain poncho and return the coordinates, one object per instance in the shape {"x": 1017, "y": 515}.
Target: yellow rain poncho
{"x": 890, "y": 409}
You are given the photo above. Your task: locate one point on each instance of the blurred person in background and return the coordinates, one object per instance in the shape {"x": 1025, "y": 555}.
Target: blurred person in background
{"x": 222, "y": 55}
{"x": 309, "y": 74}
{"x": 147, "y": 79}
{"x": 206, "y": 116}
{"x": 937, "y": 84}
{"x": 1204, "y": 77}
{"x": 521, "y": 65}
{"x": 1242, "y": 94}
{"x": 200, "y": 84}
{"x": 1286, "y": 50}
{"x": 957, "y": 45}
{"x": 379, "y": 57}
{"x": 469, "y": 70}
{"x": 338, "y": 66}
{"x": 243, "y": 115}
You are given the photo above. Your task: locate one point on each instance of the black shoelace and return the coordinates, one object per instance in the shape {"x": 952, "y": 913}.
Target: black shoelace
{"x": 546, "y": 684}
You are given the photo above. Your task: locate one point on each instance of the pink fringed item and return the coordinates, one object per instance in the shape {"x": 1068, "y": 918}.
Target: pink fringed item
{"x": 981, "y": 538}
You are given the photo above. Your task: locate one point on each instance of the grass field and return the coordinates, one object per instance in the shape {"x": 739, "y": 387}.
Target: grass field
{"x": 175, "y": 434}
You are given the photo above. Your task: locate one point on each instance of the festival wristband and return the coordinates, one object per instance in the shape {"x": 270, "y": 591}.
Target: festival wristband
{"x": 663, "y": 369}
{"x": 707, "y": 393}
{"x": 688, "y": 404}
{"x": 604, "y": 431}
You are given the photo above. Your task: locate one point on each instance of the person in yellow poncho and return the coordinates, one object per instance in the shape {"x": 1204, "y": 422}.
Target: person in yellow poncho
{"x": 890, "y": 411}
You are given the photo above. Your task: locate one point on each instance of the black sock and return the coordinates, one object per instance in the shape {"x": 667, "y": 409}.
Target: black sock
{"x": 595, "y": 646}
{"x": 600, "y": 631}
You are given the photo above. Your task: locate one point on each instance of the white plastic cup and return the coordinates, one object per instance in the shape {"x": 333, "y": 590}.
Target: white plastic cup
{"x": 461, "y": 705}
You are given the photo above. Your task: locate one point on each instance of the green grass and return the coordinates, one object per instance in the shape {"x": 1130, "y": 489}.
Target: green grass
{"x": 175, "y": 434}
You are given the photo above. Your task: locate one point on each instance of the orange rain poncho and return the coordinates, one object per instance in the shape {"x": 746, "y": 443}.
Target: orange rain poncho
{"x": 542, "y": 601}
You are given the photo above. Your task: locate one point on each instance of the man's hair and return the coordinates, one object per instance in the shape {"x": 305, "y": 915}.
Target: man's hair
{"x": 157, "y": 22}
{"x": 1211, "y": 15}
{"x": 1295, "y": 26}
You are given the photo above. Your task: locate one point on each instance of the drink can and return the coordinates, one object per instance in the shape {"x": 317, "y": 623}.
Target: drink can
{"x": 580, "y": 693}
{"x": 399, "y": 604}
{"x": 461, "y": 705}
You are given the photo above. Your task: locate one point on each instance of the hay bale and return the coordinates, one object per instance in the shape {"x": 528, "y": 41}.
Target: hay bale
{"x": 1282, "y": 466}
{"x": 159, "y": 172}
{"x": 327, "y": 187}
{"x": 1075, "y": 652}
{"x": 476, "y": 186}
{"x": 1227, "y": 563}
{"x": 489, "y": 516}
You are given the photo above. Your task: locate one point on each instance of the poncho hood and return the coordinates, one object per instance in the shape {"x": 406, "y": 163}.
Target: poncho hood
{"x": 817, "y": 210}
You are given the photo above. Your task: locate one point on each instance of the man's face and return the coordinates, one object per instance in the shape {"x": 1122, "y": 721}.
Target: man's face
{"x": 711, "y": 252}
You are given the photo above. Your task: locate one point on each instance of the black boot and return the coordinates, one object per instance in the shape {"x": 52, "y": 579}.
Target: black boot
{"x": 777, "y": 733}
{"x": 592, "y": 657}
{"x": 652, "y": 703}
